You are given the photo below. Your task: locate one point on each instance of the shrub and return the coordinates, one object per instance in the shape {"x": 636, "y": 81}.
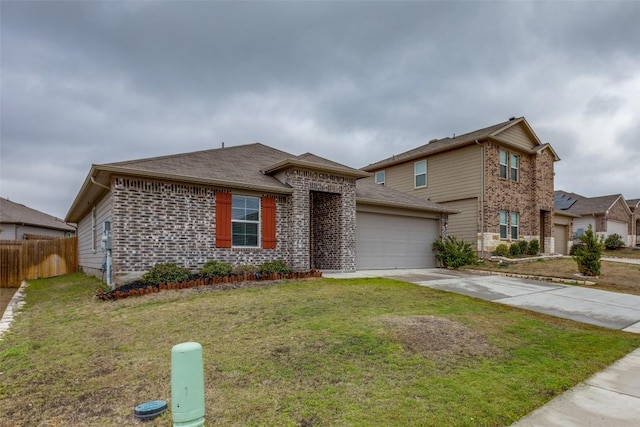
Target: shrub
{"x": 245, "y": 268}
{"x": 524, "y": 247}
{"x": 514, "y": 249}
{"x": 613, "y": 242}
{"x": 534, "y": 247}
{"x": 588, "y": 255}
{"x": 167, "y": 272}
{"x": 213, "y": 268}
{"x": 453, "y": 253}
{"x": 277, "y": 266}
{"x": 501, "y": 250}
{"x": 575, "y": 248}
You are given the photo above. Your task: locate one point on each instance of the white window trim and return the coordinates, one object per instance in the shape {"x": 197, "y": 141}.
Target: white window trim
{"x": 506, "y": 164}
{"x": 516, "y": 168}
{"x": 509, "y": 226}
{"x": 259, "y": 222}
{"x": 415, "y": 175}
{"x": 384, "y": 177}
{"x": 509, "y": 168}
{"x": 506, "y": 224}
{"x": 517, "y": 226}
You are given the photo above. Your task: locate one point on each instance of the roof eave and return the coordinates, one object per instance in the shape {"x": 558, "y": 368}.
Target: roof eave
{"x": 376, "y": 202}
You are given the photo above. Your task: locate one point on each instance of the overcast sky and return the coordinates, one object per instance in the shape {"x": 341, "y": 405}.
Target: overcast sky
{"x": 99, "y": 82}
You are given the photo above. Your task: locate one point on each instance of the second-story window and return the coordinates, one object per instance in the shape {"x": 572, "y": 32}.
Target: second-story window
{"x": 504, "y": 163}
{"x": 509, "y": 166}
{"x": 420, "y": 173}
{"x": 380, "y": 176}
{"x": 515, "y": 167}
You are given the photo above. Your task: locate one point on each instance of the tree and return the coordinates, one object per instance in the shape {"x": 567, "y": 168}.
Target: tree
{"x": 588, "y": 254}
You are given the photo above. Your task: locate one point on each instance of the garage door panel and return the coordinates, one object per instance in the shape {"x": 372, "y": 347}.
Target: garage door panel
{"x": 391, "y": 241}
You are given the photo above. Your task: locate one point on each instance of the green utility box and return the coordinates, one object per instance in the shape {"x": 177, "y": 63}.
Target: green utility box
{"x": 187, "y": 385}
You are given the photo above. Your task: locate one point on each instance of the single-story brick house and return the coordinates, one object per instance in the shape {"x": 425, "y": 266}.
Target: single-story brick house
{"x": 20, "y": 222}
{"x": 246, "y": 205}
{"x": 606, "y": 214}
{"x": 634, "y": 205}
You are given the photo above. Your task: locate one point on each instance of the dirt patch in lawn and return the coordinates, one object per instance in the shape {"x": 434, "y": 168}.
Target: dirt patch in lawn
{"x": 441, "y": 339}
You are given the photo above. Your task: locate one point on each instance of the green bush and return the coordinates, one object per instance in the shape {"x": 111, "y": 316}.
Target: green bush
{"x": 453, "y": 253}
{"x": 514, "y": 250}
{"x": 167, "y": 272}
{"x": 588, "y": 254}
{"x": 534, "y": 247}
{"x": 501, "y": 250}
{"x": 277, "y": 266}
{"x": 613, "y": 242}
{"x": 213, "y": 268}
{"x": 524, "y": 247}
{"x": 574, "y": 248}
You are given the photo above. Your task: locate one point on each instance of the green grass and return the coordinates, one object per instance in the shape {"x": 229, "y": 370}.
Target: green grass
{"x": 310, "y": 353}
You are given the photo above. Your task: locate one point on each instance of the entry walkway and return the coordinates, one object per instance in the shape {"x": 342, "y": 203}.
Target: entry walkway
{"x": 609, "y": 398}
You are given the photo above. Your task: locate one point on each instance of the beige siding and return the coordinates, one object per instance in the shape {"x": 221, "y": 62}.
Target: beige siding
{"x": 464, "y": 225}
{"x": 561, "y": 238}
{"x": 561, "y": 219}
{"x": 441, "y": 186}
{"x": 518, "y": 136}
{"x": 90, "y": 260}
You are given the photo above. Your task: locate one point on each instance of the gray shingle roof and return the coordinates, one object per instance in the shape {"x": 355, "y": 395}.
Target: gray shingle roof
{"x": 587, "y": 205}
{"x": 15, "y": 213}
{"x": 441, "y": 145}
{"x": 369, "y": 192}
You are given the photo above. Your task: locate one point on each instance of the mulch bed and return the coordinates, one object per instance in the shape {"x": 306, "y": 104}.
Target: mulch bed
{"x": 233, "y": 281}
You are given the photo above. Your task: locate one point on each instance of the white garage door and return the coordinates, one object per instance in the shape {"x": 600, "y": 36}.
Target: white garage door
{"x": 392, "y": 241}
{"x": 618, "y": 227}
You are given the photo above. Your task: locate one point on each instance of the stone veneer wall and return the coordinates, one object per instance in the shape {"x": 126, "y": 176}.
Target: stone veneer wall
{"x": 530, "y": 195}
{"x": 303, "y": 183}
{"x": 156, "y": 221}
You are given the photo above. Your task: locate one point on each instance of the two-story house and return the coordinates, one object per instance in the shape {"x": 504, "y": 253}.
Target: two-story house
{"x": 499, "y": 178}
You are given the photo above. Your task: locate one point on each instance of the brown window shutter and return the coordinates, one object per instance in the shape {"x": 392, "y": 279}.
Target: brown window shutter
{"x": 268, "y": 223}
{"x": 223, "y": 220}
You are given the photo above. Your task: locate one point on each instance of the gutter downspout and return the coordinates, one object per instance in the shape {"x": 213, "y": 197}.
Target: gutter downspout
{"x": 482, "y": 185}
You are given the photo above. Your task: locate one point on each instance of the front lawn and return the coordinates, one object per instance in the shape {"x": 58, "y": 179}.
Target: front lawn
{"x": 296, "y": 353}
{"x": 614, "y": 276}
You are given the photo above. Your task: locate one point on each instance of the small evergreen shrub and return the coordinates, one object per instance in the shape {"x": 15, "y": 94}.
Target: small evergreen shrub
{"x": 613, "y": 242}
{"x": 575, "y": 248}
{"x": 213, "y": 268}
{"x": 277, "y": 266}
{"x": 167, "y": 272}
{"x": 588, "y": 255}
{"x": 454, "y": 253}
{"x": 524, "y": 247}
{"x": 501, "y": 250}
{"x": 534, "y": 247}
{"x": 514, "y": 250}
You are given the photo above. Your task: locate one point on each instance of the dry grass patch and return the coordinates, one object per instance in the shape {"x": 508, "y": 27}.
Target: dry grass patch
{"x": 441, "y": 339}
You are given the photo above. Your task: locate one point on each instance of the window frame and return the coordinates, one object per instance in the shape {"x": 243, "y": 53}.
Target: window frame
{"x": 514, "y": 169}
{"x": 515, "y": 227}
{"x": 504, "y": 224}
{"x": 504, "y": 166}
{"x": 384, "y": 177}
{"x": 258, "y": 222}
{"x": 416, "y": 174}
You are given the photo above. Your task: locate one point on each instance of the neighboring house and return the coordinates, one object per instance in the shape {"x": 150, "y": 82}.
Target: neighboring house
{"x": 634, "y": 206}
{"x": 19, "y": 222}
{"x": 562, "y": 226}
{"x": 606, "y": 214}
{"x": 246, "y": 205}
{"x": 500, "y": 178}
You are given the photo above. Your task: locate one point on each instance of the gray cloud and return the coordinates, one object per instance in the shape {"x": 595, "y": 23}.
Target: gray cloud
{"x": 96, "y": 82}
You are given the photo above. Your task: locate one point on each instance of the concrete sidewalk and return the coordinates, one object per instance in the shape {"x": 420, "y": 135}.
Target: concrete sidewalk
{"x": 609, "y": 398}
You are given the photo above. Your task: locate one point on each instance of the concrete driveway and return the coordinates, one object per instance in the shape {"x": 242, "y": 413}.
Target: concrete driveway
{"x": 607, "y": 309}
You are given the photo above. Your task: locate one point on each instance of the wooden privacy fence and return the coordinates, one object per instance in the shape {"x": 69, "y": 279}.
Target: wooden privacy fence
{"x": 36, "y": 259}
